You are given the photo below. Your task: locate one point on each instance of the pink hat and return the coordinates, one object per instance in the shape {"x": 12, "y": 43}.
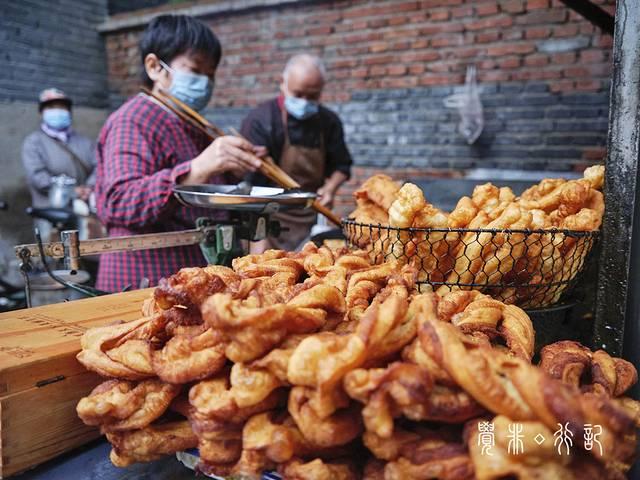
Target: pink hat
{"x": 52, "y": 95}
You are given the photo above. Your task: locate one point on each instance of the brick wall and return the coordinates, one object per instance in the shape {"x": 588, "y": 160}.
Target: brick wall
{"x": 53, "y": 44}
{"x": 397, "y": 44}
{"x": 543, "y": 70}
{"x": 122, "y": 6}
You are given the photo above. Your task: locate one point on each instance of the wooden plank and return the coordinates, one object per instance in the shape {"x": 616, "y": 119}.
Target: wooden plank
{"x": 39, "y": 343}
{"x": 41, "y": 423}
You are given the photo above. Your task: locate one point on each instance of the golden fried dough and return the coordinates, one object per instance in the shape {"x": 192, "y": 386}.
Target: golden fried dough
{"x": 150, "y": 443}
{"x": 508, "y": 260}
{"x": 337, "y": 429}
{"x": 191, "y": 286}
{"x": 122, "y": 405}
{"x": 319, "y": 470}
{"x": 97, "y": 341}
{"x": 253, "y": 331}
{"x": 316, "y": 356}
{"x": 380, "y": 190}
{"x": 596, "y": 372}
{"x": 189, "y": 357}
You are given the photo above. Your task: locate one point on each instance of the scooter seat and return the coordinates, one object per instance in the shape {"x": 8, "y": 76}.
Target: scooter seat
{"x": 60, "y": 217}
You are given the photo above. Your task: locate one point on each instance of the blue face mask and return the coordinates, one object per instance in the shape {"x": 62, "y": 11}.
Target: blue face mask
{"x": 301, "y": 108}
{"x": 57, "y": 118}
{"x": 193, "y": 89}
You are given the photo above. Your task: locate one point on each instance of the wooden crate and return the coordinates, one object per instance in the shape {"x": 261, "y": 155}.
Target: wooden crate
{"x": 41, "y": 381}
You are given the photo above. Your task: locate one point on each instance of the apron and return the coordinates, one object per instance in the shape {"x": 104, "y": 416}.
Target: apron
{"x": 306, "y": 166}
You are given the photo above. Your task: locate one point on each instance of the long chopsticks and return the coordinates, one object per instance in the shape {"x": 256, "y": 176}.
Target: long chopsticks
{"x": 267, "y": 166}
{"x": 284, "y": 180}
{"x": 171, "y": 102}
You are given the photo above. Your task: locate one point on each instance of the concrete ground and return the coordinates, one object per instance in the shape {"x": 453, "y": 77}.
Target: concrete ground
{"x": 91, "y": 462}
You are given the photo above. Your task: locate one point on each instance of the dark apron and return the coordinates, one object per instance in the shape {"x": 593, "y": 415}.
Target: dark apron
{"x": 306, "y": 166}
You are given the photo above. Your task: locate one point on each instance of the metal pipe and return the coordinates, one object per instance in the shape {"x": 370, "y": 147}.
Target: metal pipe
{"x": 593, "y": 13}
{"x": 25, "y": 266}
{"x": 618, "y": 305}
{"x": 71, "y": 242}
{"x": 88, "y": 291}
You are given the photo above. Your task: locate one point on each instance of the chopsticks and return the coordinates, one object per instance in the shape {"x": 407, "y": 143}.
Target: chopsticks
{"x": 282, "y": 178}
{"x": 170, "y": 102}
{"x": 267, "y": 166}
{"x": 193, "y": 114}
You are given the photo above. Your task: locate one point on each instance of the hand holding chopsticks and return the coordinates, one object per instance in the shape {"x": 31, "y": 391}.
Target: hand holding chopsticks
{"x": 282, "y": 178}
{"x": 267, "y": 166}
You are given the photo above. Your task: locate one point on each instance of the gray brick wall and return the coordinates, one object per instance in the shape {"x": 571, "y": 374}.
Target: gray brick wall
{"x": 122, "y": 6}
{"x": 225, "y": 118}
{"x": 526, "y": 127}
{"x": 53, "y": 43}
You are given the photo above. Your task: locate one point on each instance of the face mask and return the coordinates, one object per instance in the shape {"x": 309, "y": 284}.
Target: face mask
{"x": 193, "y": 89}
{"x": 57, "y": 118}
{"x": 300, "y": 108}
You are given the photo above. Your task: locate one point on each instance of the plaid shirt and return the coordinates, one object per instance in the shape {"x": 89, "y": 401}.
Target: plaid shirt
{"x": 142, "y": 150}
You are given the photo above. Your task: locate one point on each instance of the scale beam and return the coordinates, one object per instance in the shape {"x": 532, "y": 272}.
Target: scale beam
{"x": 116, "y": 244}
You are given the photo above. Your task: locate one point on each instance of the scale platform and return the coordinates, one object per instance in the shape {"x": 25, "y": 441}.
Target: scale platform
{"x": 238, "y": 198}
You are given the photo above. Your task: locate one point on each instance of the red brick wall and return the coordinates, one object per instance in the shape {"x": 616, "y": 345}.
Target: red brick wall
{"x": 543, "y": 69}
{"x": 394, "y": 44}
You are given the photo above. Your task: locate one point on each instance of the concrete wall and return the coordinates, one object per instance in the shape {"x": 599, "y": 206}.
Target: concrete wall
{"x": 44, "y": 44}
{"x": 15, "y": 226}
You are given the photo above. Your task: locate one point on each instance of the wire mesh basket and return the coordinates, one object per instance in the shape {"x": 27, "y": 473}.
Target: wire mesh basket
{"x": 528, "y": 268}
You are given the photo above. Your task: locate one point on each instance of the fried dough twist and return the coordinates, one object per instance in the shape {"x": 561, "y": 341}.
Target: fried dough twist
{"x": 421, "y": 454}
{"x": 512, "y": 387}
{"x": 117, "y": 405}
{"x": 150, "y": 443}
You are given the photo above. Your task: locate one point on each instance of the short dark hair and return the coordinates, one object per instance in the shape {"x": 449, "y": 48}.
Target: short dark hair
{"x": 171, "y": 35}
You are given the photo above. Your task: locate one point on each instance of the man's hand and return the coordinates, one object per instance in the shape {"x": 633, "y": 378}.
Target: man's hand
{"x": 327, "y": 192}
{"x": 326, "y": 195}
{"x": 225, "y": 154}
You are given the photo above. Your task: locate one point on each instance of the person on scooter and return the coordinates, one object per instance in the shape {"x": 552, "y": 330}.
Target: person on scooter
{"x": 56, "y": 149}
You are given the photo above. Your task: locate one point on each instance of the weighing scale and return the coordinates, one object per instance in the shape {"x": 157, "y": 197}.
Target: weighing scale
{"x": 249, "y": 207}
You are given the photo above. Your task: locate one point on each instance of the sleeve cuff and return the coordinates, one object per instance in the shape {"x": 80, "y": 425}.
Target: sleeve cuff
{"x": 179, "y": 171}
{"x": 346, "y": 170}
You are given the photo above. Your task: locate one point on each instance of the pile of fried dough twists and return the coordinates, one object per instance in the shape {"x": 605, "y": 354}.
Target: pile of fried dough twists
{"x": 321, "y": 366}
{"x": 527, "y": 269}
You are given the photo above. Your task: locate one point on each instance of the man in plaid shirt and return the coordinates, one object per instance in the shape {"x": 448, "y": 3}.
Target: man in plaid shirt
{"x": 144, "y": 150}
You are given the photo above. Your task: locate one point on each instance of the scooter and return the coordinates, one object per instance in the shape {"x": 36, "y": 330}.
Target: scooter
{"x": 11, "y": 296}
{"x": 59, "y": 218}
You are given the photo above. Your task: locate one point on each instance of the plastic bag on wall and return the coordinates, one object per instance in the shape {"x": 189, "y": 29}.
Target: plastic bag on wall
{"x": 469, "y": 107}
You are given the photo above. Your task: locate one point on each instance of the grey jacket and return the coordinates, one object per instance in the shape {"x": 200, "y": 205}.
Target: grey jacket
{"x": 44, "y": 158}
